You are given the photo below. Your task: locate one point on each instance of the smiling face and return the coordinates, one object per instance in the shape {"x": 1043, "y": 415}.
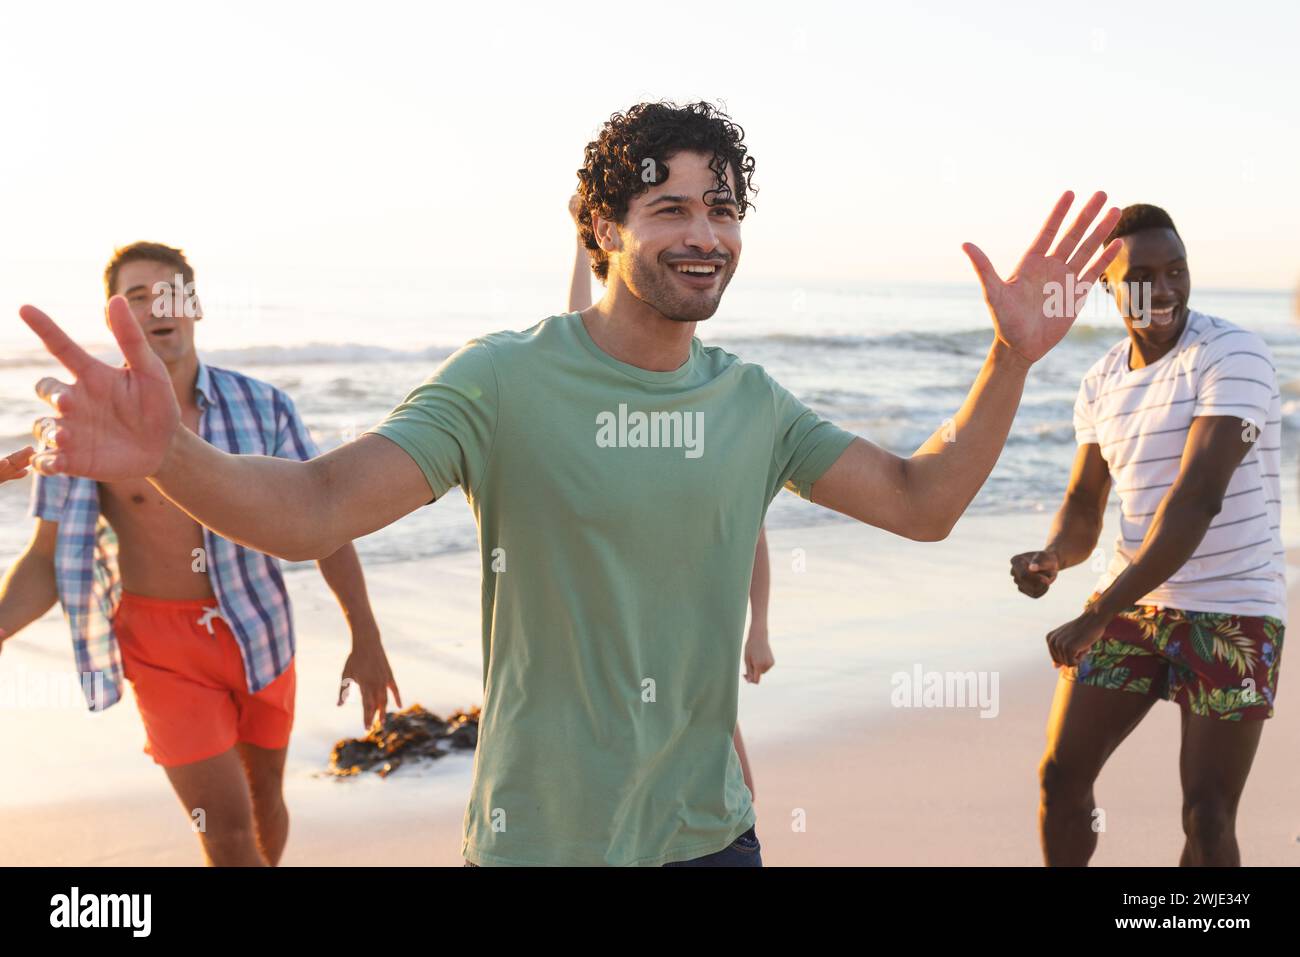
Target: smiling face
{"x": 162, "y": 309}
{"x": 1151, "y": 285}
{"x": 679, "y": 243}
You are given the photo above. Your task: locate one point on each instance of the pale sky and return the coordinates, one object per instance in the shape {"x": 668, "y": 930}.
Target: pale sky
{"x": 400, "y": 143}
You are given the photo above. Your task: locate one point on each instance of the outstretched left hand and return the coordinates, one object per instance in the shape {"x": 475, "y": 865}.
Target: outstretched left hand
{"x": 1034, "y": 309}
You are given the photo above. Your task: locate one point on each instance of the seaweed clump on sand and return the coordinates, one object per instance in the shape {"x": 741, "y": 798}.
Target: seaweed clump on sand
{"x": 410, "y": 735}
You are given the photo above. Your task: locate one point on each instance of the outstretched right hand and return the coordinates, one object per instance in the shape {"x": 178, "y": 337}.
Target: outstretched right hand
{"x": 1034, "y": 572}
{"x": 111, "y": 423}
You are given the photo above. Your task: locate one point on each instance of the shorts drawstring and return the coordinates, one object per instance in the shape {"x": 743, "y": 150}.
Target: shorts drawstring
{"x": 206, "y": 620}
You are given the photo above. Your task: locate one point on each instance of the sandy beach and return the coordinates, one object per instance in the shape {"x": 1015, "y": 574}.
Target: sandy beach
{"x": 842, "y": 776}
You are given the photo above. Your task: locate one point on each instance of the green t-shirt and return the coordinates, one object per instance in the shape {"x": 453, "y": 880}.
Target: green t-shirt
{"x": 618, "y": 511}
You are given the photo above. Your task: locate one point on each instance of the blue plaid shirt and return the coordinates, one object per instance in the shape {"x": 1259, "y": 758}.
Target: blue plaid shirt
{"x": 236, "y": 414}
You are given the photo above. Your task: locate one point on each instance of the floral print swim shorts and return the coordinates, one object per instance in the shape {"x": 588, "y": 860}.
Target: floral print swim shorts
{"x": 1212, "y": 664}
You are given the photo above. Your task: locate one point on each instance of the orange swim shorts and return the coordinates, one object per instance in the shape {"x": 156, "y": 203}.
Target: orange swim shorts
{"x": 187, "y": 673}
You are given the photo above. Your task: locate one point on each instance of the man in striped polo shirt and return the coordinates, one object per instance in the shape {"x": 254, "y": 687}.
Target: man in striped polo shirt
{"x": 1183, "y": 417}
{"x": 200, "y": 625}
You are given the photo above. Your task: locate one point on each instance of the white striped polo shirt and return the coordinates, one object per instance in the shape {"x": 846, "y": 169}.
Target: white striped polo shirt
{"x": 1140, "y": 418}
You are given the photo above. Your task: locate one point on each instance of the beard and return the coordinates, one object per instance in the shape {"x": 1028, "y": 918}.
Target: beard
{"x": 652, "y": 281}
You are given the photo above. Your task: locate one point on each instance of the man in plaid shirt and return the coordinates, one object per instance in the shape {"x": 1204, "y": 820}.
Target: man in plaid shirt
{"x": 200, "y": 626}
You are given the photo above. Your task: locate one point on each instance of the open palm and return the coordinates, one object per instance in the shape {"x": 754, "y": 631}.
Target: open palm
{"x": 111, "y": 423}
{"x": 1034, "y": 309}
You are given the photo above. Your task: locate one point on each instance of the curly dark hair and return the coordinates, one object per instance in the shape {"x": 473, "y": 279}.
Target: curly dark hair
{"x": 615, "y": 166}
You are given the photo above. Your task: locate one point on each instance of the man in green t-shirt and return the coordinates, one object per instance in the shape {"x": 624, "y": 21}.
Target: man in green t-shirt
{"x": 619, "y": 471}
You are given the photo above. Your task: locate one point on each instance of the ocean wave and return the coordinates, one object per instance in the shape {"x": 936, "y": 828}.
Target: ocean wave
{"x": 1042, "y": 433}
{"x": 325, "y": 353}
{"x": 346, "y": 389}
{"x": 322, "y": 353}
{"x": 918, "y": 340}
{"x": 311, "y": 353}
{"x": 26, "y": 360}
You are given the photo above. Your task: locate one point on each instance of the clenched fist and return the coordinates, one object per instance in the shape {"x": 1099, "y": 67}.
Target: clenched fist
{"x": 1034, "y": 572}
